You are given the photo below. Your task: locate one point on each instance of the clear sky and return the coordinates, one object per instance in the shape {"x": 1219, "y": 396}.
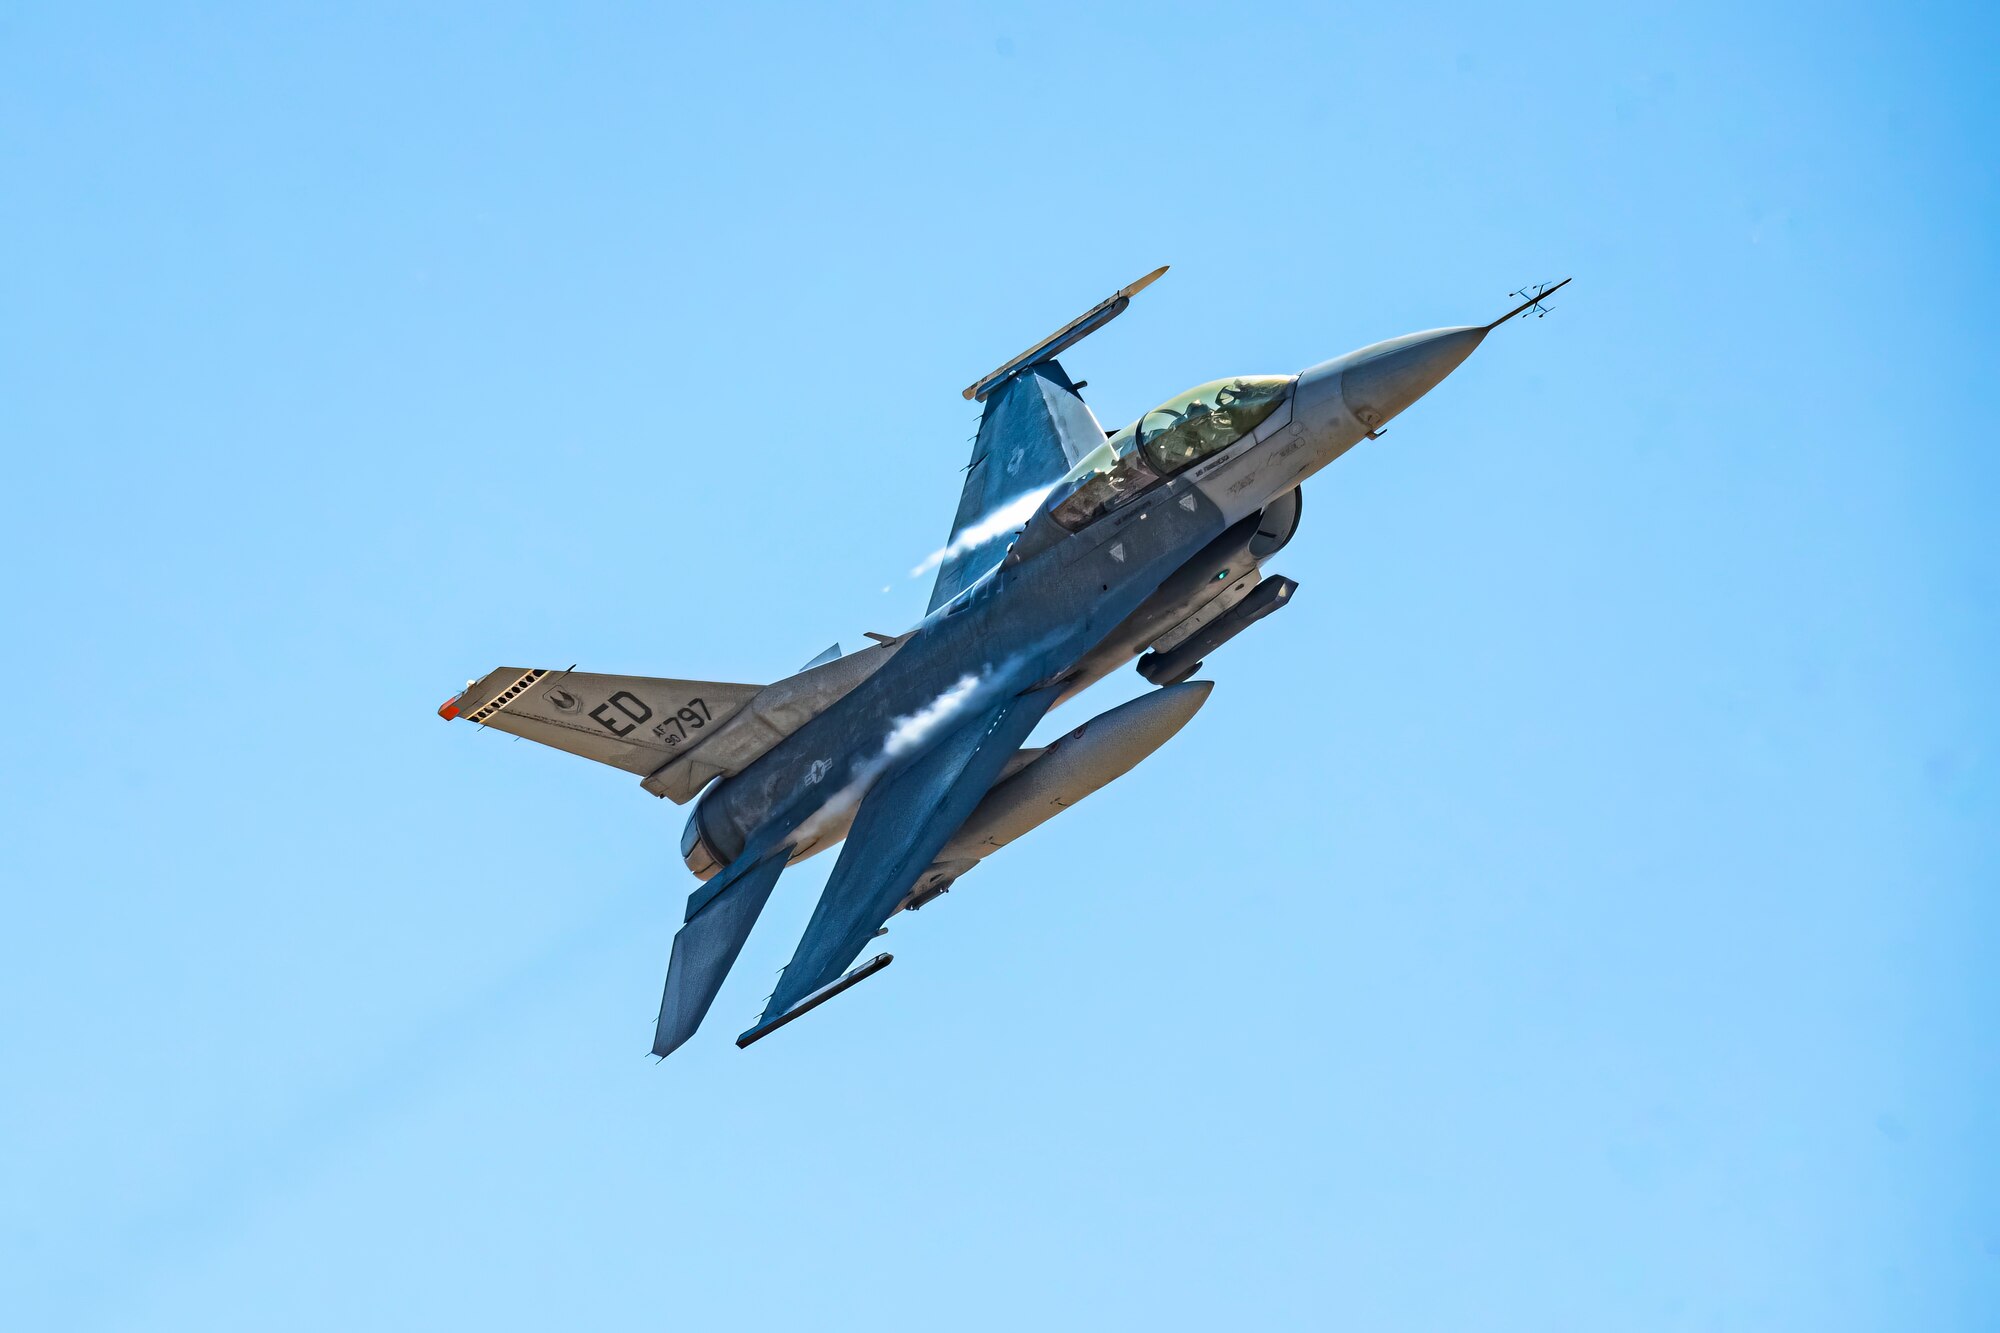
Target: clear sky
{"x": 1576, "y": 911}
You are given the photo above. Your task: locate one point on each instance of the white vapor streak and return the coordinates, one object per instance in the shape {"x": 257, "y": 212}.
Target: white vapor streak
{"x": 909, "y": 732}
{"x": 1006, "y": 518}
{"x": 905, "y": 735}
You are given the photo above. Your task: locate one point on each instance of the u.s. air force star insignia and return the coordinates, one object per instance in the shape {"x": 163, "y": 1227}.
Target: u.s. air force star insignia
{"x": 820, "y": 768}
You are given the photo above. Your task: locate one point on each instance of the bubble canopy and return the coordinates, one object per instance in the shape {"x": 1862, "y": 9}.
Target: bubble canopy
{"x": 1208, "y": 419}
{"x": 1177, "y": 434}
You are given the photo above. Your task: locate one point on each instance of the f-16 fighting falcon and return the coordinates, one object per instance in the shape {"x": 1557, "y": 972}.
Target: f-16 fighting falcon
{"x": 1075, "y": 549}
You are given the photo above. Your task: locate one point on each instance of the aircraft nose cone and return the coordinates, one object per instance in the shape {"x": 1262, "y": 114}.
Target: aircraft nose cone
{"x": 1380, "y": 381}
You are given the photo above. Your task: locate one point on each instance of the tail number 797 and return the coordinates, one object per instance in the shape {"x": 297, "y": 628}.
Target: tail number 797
{"x": 624, "y": 711}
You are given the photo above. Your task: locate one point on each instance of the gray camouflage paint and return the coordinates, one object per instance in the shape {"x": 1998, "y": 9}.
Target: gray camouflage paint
{"x": 903, "y": 740}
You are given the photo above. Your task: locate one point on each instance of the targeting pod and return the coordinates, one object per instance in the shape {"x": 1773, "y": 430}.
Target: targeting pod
{"x": 1184, "y": 659}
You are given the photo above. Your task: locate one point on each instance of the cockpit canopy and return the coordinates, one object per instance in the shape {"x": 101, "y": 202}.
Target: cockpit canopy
{"x": 1178, "y": 433}
{"x": 1208, "y": 419}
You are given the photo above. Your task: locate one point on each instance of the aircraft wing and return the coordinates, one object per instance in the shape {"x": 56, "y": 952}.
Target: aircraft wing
{"x": 904, "y": 820}
{"x": 1034, "y": 430}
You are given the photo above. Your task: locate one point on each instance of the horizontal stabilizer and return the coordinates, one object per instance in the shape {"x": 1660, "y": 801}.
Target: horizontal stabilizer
{"x": 706, "y": 948}
{"x": 636, "y": 723}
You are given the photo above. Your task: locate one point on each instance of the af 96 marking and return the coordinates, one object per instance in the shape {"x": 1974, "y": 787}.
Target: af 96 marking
{"x": 694, "y": 717}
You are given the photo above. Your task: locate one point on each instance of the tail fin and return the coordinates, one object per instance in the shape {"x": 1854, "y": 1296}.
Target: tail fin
{"x": 636, "y": 723}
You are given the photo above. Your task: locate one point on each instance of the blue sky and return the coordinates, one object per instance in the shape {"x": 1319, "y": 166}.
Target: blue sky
{"x": 1576, "y": 911}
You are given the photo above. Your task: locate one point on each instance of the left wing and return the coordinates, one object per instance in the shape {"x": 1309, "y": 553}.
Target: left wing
{"x": 1035, "y": 428}
{"x": 903, "y": 822}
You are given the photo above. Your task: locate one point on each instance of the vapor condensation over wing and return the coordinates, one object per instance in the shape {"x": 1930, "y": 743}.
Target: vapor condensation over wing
{"x": 905, "y": 735}
{"x": 1006, "y": 518}
{"x": 909, "y": 732}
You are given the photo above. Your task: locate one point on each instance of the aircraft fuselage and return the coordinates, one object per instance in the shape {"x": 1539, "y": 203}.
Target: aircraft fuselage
{"x": 1068, "y": 609}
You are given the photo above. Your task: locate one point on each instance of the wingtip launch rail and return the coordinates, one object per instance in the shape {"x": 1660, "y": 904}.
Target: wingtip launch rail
{"x": 817, "y": 998}
{"x": 1070, "y": 334}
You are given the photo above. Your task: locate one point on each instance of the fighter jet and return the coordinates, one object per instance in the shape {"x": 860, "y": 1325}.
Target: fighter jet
{"x": 1075, "y": 549}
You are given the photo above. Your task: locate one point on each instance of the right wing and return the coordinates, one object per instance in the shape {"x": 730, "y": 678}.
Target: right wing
{"x": 903, "y": 821}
